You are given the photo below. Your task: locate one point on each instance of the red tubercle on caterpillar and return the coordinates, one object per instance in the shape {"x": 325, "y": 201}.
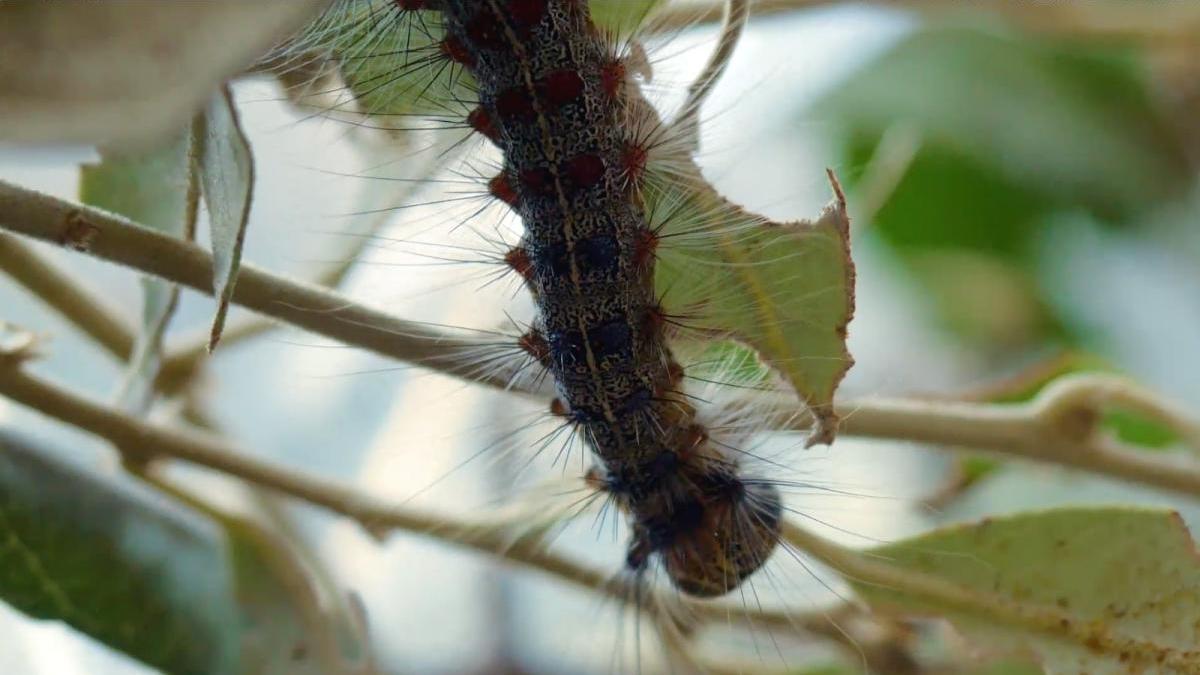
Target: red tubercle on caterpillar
{"x": 612, "y": 77}
{"x": 485, "y": 32}
{"x": 645, "y": 248}
{"x": 481, "y": 121}
{"x": 674, "y": 373}
{"x": 633, "y": 162}
{"x": 582, "y": 171}
{"x": 594, "y": 479}
{"x": 501, "y": 188}
{"x": 692, "y": 438}
{"x": 534, "y": 344}
{"x": 561, "y": 87}
{"x": 654, "y": 319}
{"x": 514, "y": 105}
{"x": 585, "y": 170}
{"x": 456, "y": 51}
{"x": 518, "y": 259}
{"x": 410, "y": 5}
{"x": 526, "y": 14}
{"x": 538, "y": 181}
{"x": 559, "y": 408}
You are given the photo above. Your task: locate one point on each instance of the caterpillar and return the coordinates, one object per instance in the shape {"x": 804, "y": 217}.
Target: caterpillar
{"x": 550, "y": 96}
{"x": 562, "y": 105}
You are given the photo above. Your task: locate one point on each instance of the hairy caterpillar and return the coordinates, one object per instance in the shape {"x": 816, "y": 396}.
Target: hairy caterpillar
{"x": 561, "y": 103}
{"x": 547, "y": 80}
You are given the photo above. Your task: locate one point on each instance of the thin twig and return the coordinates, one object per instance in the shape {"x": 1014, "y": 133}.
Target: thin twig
{"x": 1045, "y": 430}
{"x": 116, "y": 239}
{"x": 182, "y": 364}
{"x": 1061, "y": 426}
{"x": 514, "y": 536}
{"x": 67, "y": 296}
{"x": 502, "y": 537}
{"x": 735, "y": 14}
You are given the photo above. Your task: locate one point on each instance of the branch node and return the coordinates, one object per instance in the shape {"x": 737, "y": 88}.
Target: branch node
{"x": 79, "y": 232}
{"x": 1076, "y": 423}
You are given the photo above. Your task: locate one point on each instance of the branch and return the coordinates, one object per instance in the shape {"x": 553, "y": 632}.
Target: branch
{"x": 116, "y": 239}
{"x": 497, "y": 535}
{"x": 1060, "y": 427}
{"x": 180, "y": 366}
{"x": 67, "y": 296}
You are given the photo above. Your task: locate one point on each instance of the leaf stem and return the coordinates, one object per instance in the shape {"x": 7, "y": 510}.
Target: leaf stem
{"x": 734, "y": 16}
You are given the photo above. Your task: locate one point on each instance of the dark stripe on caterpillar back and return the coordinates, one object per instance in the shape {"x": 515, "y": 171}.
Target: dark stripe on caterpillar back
{"x": 550, "y": 99}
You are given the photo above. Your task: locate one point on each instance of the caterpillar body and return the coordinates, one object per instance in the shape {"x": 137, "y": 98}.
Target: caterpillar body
{"x": 551, "y": 97}
{"x": 599, "y": 181}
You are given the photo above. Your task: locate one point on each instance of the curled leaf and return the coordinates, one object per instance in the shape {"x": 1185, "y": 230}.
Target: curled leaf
{"x": 226, "y": 168}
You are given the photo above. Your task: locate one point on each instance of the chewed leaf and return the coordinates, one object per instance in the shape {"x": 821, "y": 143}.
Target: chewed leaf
{"x": 153, "y": 188}
{"x": 226, "y": 168}
{"x": 1098, "y": 590}
{"x": 115, "y": 561}
{"x": 785, "y": 289}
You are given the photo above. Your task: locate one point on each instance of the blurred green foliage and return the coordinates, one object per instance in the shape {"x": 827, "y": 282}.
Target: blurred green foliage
{"x": 116, "y": 561}
{"x": 1009, "y": 132}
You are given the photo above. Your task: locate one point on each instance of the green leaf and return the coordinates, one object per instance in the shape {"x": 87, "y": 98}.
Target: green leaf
{"x": 151, "y": 187}
{"x": 1013, "y": 131}
{"x": 622, "y": 17}
{"x": 226, "y": 167}
{"x": 286, "y": 627}
{"x": 1094, "y": 590}
{"x": 1073, "y": 124}
{"x": 784, "y": 289}
{"x": 115, "y": 561}
{"x": 379, "y": 53}
{"x": 187, "y": 590}
{"x": 376, "y": 48}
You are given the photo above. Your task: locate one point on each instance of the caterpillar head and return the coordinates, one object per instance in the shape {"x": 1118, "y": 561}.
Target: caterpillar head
{"x": 710, "y": 544}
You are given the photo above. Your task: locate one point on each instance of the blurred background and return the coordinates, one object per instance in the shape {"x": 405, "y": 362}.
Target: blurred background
{"x": 1023, "y": 187}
